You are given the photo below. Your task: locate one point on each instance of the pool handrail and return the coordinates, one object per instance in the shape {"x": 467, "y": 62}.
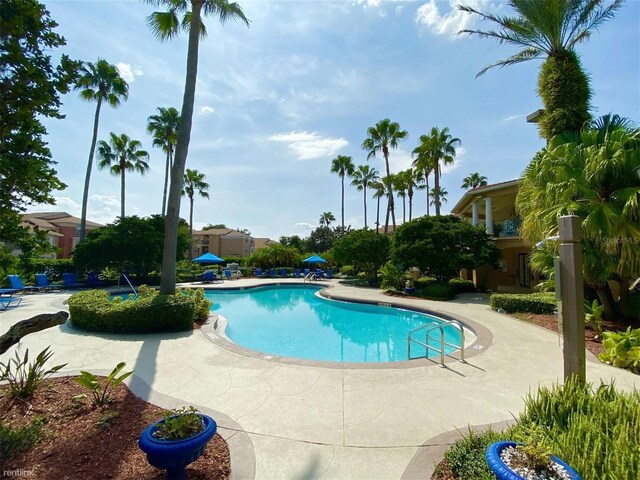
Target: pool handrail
{"x": 135, "y": 294}
{"x": 429, "y": 327}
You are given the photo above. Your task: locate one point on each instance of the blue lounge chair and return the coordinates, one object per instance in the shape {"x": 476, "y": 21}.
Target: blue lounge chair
{"x": 16, "y": 282}
{"x": 9, "y": 291}
{"x": 283, "y": 272}
{"x": 329, "y": 273}
{"x": 6, "y": 302}
{"x": 306, "y": 272}
{"x": 43, "y": 281}
{"x": 296, "y": 273}
{"x": 93, "y": 280}
{"x": 319, "y": 274}
{"x": 272, "y": 272}
{"x": 208, "y": 276}
{"x": 259, "y": 272}
{"x": 70, "y": 281}
{"x": 227, "y": 274}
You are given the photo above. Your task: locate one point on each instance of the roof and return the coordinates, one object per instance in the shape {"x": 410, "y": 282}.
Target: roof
{"x": 226, "y": 232}
{"x": 471, "y": 194}
{"x": 58, "y": 218}
{"x": 263, "y": 242}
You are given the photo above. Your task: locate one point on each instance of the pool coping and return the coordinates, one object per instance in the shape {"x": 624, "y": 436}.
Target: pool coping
{"x": 213, "y": 331}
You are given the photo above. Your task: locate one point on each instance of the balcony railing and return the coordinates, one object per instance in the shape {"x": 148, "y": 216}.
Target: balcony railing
{"x": 507, "y": 228}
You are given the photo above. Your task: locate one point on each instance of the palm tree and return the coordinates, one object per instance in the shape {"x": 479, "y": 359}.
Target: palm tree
{"x": 326, "y": 218}
{"x": 474, "y": 180}
{"x": 400, "y": 183}
{"x": 439, "y": 196}
{"x": 551, "y": 29}
{"x": 424, "y": 163}
{"x": 363, "y": 177}
{"x": 164, "y": 128}
{"x": 438, "y": 146}
{"x": 194, "y": 183}
{"x": 166, "y": 25}
{"x": 415, "y": 181}
{"x": 98, "y": 82}
{"x": 379, "y": 191}
{"x": 384, "y": 135}
{"x": 342, "y": 165}
{"x": 122, "y": 155}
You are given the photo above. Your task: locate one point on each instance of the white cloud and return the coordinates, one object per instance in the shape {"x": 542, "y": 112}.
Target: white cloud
{"x": 512, "y": 118}
{"x": 304, "y": 226}
{"x": 307, "y": 146}
{"x": 458, "y": 161}
{"x": 450, "y": 23}
{"x": 398, "y": 160}
{"x": 205, "y": 110}
{"x": 128, "y": 73}
{"x": 377, "y": 6}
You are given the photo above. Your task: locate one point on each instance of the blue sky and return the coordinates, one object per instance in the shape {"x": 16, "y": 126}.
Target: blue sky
{"x": 276, "y": 102}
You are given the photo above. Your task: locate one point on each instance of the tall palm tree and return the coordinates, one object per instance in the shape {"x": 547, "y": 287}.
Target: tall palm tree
{"x": 380, "y": 138}
{"x": 401, "y": 185}
{"x": 363, "y": 177}
{"x": 194, "y": 183}
{"x": 415, "y": 181}
{"x": 326, "y": 218}
{"x": 342, "y": 165}
{"x": 551, "y": 29}
{"x": 437, "y": 147}
{"x": 99, "y": 82}
{"x": 379, "y": 191}
{"x": 164, "y": 128}
{"x": 424, "y": 163}
{"x": 121, "y": 155}
{"x": 184, "y": 15}
{"x": 474, "y": 180}
{"x": 439, "y": 196}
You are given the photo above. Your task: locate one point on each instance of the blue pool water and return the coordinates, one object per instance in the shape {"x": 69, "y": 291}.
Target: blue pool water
{"x": 292, "y": 321}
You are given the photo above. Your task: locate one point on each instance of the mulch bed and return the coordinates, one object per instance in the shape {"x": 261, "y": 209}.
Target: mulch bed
{"x": 78, "y": 443}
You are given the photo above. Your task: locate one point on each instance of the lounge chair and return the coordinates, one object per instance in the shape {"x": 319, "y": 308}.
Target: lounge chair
{"x": 296, "y": 273}
{"x": 329, "y": 273}
{"x": 306, "y": 272}
{"x": 43, "y": 281}
{"x": 319, "y": 274}
{"x": 16, "y": 282}
{"x": 283, "y": 272}
{"x": 259, "y": 272}
{"x": 70, "y": 281}
{"x": 6, "y": 302}
{"x": 93, "y": 280}
{"x": 9, "y": 291}
{"x": 227, "y": 274}
{"x": 208, "y": 276}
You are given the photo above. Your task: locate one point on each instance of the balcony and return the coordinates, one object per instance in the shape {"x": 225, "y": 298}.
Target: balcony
{"x": 509, "y": 228}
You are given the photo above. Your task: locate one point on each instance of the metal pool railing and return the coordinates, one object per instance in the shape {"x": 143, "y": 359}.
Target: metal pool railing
{"x": 135, "y": 294}
{"x": 430, "y": 327}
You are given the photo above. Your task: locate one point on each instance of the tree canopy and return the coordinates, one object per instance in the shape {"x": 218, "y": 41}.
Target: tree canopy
{"x": 442, "y": 246}
{"x": 364, "y": 249}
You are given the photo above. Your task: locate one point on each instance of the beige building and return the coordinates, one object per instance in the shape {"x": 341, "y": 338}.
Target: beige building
{"x": 263, "y": 242}
{"x": 493, "y": 207}
{"x": 223, "y": 242}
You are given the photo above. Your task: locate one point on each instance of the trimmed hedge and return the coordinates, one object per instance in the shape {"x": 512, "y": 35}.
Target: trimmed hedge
{"x": 437, "y": 291}
{"x": 461, "y": 285}
{"x": 424, "y": 281}
{"x": 542, "y": 303}
{"x": 93, "y": 310}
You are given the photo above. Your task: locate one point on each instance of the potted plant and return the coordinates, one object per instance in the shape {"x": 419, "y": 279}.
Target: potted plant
{"x": 177, "y": 440}
{"x": 514, "y": 461}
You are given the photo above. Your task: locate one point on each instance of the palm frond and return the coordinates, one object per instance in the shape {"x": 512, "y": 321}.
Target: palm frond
{"x": 522, "y": 56}
{"x": 164, "y": 25}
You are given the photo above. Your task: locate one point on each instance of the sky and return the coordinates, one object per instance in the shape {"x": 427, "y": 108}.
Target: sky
{"x": 277, "y": 101}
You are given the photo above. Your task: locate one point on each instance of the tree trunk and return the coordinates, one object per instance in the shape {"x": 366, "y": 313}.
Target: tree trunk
{"x": 378, "y": 217}
{"x": 390, "y": 204}
{"x": 169, "y": 253}
{"x": 166, "y": 181}
{"x": 122, "y": 170}
{"x": 426, "y": 181}
{"x": 87, "y": 177}
{"x": 365, "y": 205}
{"x": 410, "y": 204}
{"x": 342, "y": 176}
{"x": 404, "y": 208}
{"x": 606, "y": 300}
{"x": 190, "y": 227}
{"x": 436, "y": 187}
{"x": 31, "y": 325}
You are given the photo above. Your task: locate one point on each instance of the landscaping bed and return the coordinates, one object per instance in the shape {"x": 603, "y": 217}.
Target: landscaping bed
{"x": 80, "y": 441}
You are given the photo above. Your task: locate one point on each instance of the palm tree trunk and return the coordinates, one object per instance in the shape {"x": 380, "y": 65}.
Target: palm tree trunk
{"x": 378, "y": 216}
{"x": 166, "y": 181}
{"x": 436, "y": 187}
{"x": 190, "y": 228}
{"x": 365, "y": 205}
{"x": 169, "y": 252}
{"x": 342, "y": 202}
{"x": 390, "y": 204}
{"x": 122, "y": 170}
{"x": 410, "y": 204}
{"x": 606, "y": 300}
{"x": 404, "y": 208}
{"x": 426, "y": 181}
{"x": 87, "y": 178}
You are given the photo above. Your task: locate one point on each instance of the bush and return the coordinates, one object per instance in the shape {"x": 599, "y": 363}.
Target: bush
{"x": 392, "y": 278}
{"x": 542, "y": 303}
{"x": 461, "y": 285}
{"x": 16, "y": 440}
{"x": 424, "y": 281}
{"x": 22, "y": 377}
{"x": 202, "y": 306}
{"x": 93, "y": 310}
{"x": 348, "y": 270}
{"x": 437, "y": 291}
{"x": 465, "y": 458}
{"x": 622, "y": 349}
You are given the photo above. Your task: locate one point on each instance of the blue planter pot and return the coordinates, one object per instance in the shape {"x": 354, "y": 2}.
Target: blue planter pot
{"x": 410, "y": 290}
{"x": 174, "y": 455}
{"x": 502, "y": 472}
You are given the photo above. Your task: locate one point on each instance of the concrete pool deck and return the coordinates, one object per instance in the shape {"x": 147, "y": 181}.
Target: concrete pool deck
{"x": 284, "y": 420}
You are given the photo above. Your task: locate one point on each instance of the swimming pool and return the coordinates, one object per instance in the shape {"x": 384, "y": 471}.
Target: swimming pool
{"x": 292, "y": 321}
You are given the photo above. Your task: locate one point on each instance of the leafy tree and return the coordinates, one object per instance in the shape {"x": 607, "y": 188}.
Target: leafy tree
{"x": 363, "y": 177}
{"x": 363, "y": 249}
{"x": 590, "y": 175}
{"x": 184, "y": 15}
{"x": 441, "y": 246}
{"x": 326, "y": 218}
{"x": 343, "y": 166}
{"x": 293, "y": 241}
{"x": 276, "y": 255}
{"x": 380, "y": 138}
{"x": 99, "y": 82}
{"x": 194, "y": 183}
{"x": 211, "y": 227}
{"x": 121, "y": 155}
{"x": 130, "y": 243}
{"x": 243, "y": 230}
{"x": 436, "y": 148}
{"x": 551, "y": 29}
{"x": 321, "y": 239}
{"x": 474, "y": 180}
{"x": 164, "y": 128}
{"x": 30, "y": 88}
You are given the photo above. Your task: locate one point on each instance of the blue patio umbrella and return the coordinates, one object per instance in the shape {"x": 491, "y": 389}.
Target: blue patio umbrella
{"x": 315, "y": 259}
{"x": 208, "y": 258}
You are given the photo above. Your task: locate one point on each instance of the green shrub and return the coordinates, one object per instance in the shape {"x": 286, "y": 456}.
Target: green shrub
{"x": 102, "y": 393}
{"x": 460, "y": 285}
{"x": 542, "y": 303}
{"x": 392, "y": 277}
{"x": 437, "y": 291}
{"x": 622, "y": 349}
{"x": 93, "y": 310}
{"x": 179, "y": 424}
{"x": 465, "y": 457}
{"x": 594, "y": 430}
{"x": 16, "y": 440}
{"x": 348, "y": 270}
{"x": 202, "y": 306}
{"x": 424, "y": 281}
{"x": 22, "y": 377}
